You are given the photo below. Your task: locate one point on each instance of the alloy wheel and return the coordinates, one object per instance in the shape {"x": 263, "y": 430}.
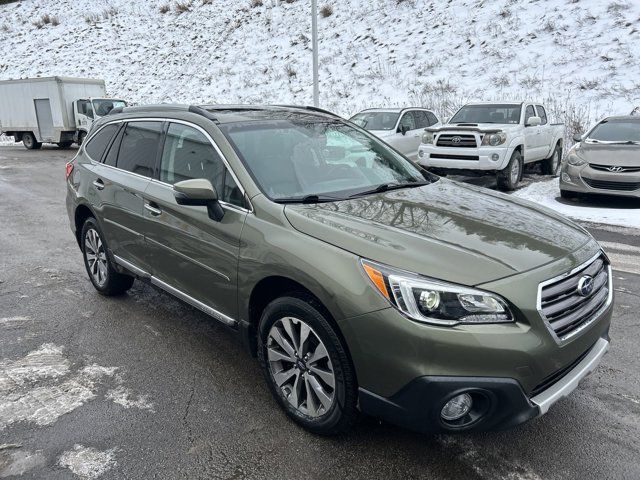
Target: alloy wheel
{"x": 300, "y": 366}
{"x": 515, "y": 173}
{"x": 96, "y": 256}
{"x": 555, "y": 162}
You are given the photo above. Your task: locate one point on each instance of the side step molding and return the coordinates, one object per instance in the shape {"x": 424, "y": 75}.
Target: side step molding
{"x": 221, "y": 317}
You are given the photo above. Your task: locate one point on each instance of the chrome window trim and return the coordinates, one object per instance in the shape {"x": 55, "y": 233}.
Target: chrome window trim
{"x": 221, "y": 317}
{"x": 189, "y": 124}
{"x": 594, "y": 317}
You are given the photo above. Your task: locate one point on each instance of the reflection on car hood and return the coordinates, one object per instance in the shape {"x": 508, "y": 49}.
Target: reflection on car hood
{"x": 444, "y": 230}
{"x": 608, "y": 154}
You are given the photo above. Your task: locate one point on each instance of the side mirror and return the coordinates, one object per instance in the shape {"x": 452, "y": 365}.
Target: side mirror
{"x": 199, "y": 192}
{"x": 403, "y": 129}
{"x": 577, "y": 137}
{"x": 534, "y": 122}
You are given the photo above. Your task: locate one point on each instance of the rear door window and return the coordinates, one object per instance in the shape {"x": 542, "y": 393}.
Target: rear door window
{"x": 98, "y": 143}
{"x": 422, "y": 120}
{"x": 542, "y": 114}
{"x": 139, "y": 147}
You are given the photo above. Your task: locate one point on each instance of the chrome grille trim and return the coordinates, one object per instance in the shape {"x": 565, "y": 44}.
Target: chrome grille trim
{"x": 463, "y": 140}
{"x": 560, "y": 291}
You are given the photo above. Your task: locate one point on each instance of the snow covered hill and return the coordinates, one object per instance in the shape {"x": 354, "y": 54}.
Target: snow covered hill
{"x": 581, "y": 57}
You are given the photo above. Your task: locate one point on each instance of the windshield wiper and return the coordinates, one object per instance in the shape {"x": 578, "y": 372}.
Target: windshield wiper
{"x": 385, "y": 187}
{"x": 313, "y": 198}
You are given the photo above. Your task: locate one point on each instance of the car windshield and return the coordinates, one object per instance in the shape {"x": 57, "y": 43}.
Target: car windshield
{"x": 504, "y": 114}
{"x": 304, "y": 158}
{"x": 104, "y": 105}
{"x": 376, "y": 120}
{"x": 616, "y": 131}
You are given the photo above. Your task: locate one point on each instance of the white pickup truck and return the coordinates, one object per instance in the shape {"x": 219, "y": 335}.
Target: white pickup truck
{"x": 494, "y": 138}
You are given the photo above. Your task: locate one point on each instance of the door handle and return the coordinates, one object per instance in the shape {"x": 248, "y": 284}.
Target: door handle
{"x": 99, "y": 184}
{"x": 152, "y": 210}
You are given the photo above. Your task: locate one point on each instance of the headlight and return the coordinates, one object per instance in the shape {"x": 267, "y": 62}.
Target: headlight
{"x": 427, "y": 137}
{"x": 494, "y": 139}
{"x": 575, "y": 160}
{"x": 433, "y": 301}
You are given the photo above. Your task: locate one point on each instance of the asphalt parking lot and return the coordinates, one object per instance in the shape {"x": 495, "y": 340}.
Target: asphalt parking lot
{"x": 144, "y": 386}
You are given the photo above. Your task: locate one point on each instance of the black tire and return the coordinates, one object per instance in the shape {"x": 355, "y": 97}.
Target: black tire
{"x": 81, "y": 137}
{"x": 64, "y": 145}
{"x": 550, "y": 166}
{"x": 30, "y": 142}
{"x": 343, "y": 412}
{"x": 507, "y": 178}
{"x": 113, "y": 283}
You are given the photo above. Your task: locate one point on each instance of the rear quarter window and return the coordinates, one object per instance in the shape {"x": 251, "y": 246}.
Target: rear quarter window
{"x": 98, "y": 143}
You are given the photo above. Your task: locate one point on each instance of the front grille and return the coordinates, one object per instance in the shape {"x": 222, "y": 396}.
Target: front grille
{"x": 454, "y": 157}
{"x": 568, "y": 311}
{"x": 616, "y": 168}
{"x": 608, "y": 185}
{"x": 557, "y": 375}
{"x": 463, "y": 141}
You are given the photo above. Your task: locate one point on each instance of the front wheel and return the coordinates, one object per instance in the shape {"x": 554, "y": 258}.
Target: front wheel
{"x": 104, "y": 277}
{"x": 550, "y": 165}
{"x": 306, "y": 366}
{"x": 30, "y": 142}
{"x": 509, "y": 177}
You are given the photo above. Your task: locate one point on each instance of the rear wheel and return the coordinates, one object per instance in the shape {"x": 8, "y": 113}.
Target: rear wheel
{"x": 550, "y": 165}
{"x": 81, "y": 137}
{"x": 64, "y": 144}
{"x": 509, "y": 177}
{"x": 101, "y": 272}
{"x": 306, "y": 366}
{"x": 30, "y": 142}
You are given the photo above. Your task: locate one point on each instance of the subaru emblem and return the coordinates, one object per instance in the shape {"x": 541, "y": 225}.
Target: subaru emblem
{"x": 585, "y": 286}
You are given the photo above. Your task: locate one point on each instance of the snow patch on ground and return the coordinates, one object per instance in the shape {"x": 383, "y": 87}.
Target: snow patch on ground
{"x": 40, "y": 387}
{"x": 10, "y": 322}
{"x": 125, "y": 397}
{"x": 14, "y": 461}
{"x": 547, "y": 194}
{"x": 45, "y": 362}
{"x": 88, "y": 463}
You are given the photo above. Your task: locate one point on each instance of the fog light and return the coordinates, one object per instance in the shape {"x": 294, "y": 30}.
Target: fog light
{"x": 566, "y": 177}
{"x": 495, "y": 157}
{"x": 457, "y": 407}
{"x": 421, "y": 153}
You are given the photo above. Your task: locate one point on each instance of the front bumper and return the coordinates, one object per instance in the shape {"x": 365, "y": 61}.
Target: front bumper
{"x": 458, "y": 158}
{"x": 584, "y": 179}
{"x": 499, "y": 403}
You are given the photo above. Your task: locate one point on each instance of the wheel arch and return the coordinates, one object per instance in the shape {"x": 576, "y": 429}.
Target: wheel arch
{"x": 82, "y": 212}
{"x": 272, "y": 287}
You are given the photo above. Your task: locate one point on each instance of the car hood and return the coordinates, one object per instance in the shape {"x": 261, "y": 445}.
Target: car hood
{"x": 607, "y": 154}
{"x": 474, "y": 127}
{"x": 446, "y": 230}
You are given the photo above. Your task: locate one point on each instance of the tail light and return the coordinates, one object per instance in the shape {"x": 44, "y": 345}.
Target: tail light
{"x": 69, "y": 171}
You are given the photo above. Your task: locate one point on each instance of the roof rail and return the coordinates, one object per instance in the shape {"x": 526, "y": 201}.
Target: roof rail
{"x": 311, "y": 108}
{"x": 204, "y": 112}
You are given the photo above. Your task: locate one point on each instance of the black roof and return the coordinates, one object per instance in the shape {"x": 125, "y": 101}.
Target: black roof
{"x": 231, "y": 113}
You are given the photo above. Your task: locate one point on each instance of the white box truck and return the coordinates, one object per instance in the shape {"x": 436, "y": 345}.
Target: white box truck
{"x": 56, "y": 110}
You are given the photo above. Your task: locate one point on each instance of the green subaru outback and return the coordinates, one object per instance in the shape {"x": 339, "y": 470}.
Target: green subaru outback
{"x": 361, "y": 282}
